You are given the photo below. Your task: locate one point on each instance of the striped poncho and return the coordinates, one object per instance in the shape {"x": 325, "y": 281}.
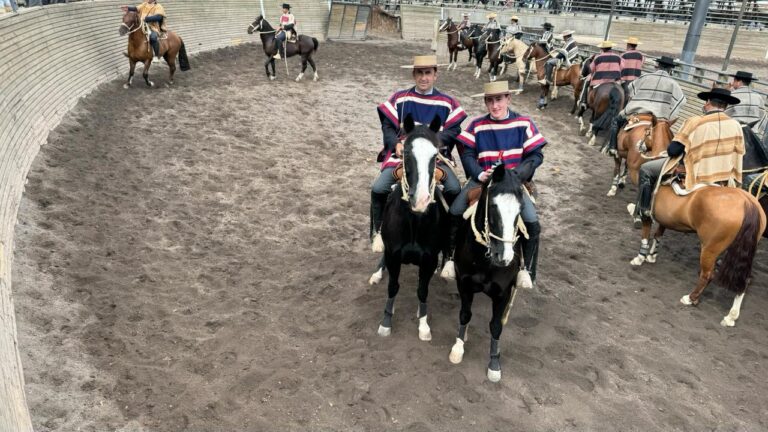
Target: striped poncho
{"x": 714, "y": 149}
{"x": 655, "y": 93}
{"x": 751, "y": 107}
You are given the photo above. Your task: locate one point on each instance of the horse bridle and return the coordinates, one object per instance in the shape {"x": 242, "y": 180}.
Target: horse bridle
{"x": 484, "y": 237}
{"x": 406, "y": 187}
{"x": 258, "y": 27}
{"x": 130, "y": 28}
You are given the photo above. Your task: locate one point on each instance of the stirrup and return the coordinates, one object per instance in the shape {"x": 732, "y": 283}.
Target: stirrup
{"x": 524, "y": 279}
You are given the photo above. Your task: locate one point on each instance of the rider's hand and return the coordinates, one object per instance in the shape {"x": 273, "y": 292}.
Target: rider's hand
{"x": 399, "y": 149}
{"x": 485, "y": 175}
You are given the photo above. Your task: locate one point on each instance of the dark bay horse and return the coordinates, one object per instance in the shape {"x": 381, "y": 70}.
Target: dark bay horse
{"x": 563, "y": 77}
{"x": 643, "y": 138}
{"x": 727, "y": 220}
{"x": 604, "y": 101}
{"x": 414, "y": 228}
{"x": 488, "y": 259}
{"x": 451, "y": 30}
{"x": 139, "y": 49}
{"x": 305, "y": 46}
{"x": 756, "y": 161}
{"x": 490, "y": 47}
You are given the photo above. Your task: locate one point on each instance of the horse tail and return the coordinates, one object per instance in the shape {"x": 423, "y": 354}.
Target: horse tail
{"x": 611, "y": 111}
{"x": 316, "y": 43}
{"x": 183, "y": 60}
{"x": 736, "y": 266}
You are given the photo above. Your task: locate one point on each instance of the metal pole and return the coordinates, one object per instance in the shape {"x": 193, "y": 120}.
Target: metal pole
{"x": 610, "y": 18}
{"x": 694, "y": 31}
{"x": 733, "y": 36}
{"x": 262, "y": 9}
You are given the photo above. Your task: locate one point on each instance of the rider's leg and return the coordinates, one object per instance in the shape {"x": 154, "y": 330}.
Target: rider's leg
{"x": 380, "y": 190}
{"x": 280, "y": 40}
{"x": 585, "y": 93}
{"x": 548, "y": 66}
{"x": 617, "y": 124}
{"x": 451, "y": 185}
{"x": 531, "y": 244}
{"x": 456, "y": 211}
{"x": 153, "y": 40}
{"x": 649, "y": 176}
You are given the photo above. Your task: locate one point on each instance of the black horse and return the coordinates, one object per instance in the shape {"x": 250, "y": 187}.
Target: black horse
{"x": 414, "y": 224}
{"x": 756, "y": 161}
{"x": 304, "y": 46}
{"x": 488, "y": 258}
{"x": 490, "y": 46}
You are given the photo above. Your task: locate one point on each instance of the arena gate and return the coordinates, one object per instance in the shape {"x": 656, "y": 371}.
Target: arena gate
{"x": 348, "y": 21}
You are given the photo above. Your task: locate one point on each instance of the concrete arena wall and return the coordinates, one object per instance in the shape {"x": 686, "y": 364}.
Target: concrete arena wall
{"x": 52, "y": 56}
{"x": 418, "y": 21}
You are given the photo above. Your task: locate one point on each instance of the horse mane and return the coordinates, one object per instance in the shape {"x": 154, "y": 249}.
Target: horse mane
{"x": 265, "y": 25}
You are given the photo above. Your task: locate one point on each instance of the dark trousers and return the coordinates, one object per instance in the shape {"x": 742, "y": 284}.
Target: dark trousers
{"x": 649, "y": 176}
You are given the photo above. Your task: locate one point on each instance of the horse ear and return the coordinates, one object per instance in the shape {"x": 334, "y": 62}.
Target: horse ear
{"x": 434, "y": 126}
{"x": 498, "y": 173}
{"x": 408, "y": 124}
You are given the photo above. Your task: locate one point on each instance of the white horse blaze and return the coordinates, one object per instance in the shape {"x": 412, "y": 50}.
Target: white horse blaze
{"x": 509, "y": 208}
{"x": 423, "y": 151}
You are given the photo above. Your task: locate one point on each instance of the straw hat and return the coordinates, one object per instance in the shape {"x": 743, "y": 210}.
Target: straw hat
{"x": 494, "y": 89}
{"x": 423, "y": 62}
{"x": 633, "y": 41}
{"x": 491, "y": 15}
{"x": 568, "y": 33}
{"x": 606, "y": 44}
{"x": 514, "y": 18}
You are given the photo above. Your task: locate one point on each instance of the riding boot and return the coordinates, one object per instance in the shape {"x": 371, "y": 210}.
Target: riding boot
{"x": 449, "y": 270}
{"x": 527, "y": 276}
{"x": 378, "y": 201}
{"x": 617, "y": 124}
{"x": 156, "y": 48}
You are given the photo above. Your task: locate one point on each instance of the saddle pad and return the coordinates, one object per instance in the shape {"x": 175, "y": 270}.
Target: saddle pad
{"x": 631, "y": 126}
{"x": 681, "y": 191}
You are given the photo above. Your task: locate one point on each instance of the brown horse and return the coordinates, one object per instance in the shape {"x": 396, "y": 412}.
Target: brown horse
{"x": 453, "y": 34}
{"x": 727, "y": 220}
{"x": 642, "y": 139}
{"x": 305, "y": 46}
{"x": 563, "y": 77}
{"x": 605, "y": 101}
{"x": 139, "y": 49}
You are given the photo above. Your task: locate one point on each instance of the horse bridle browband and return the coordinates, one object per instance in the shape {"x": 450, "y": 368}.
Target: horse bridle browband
{"x": 406, "y": 187}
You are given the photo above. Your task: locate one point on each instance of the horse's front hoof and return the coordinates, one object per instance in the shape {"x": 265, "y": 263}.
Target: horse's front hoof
{"x": 686, "y": 300}
{"x": 494, "y": 376}
{"x": 150, "y": 84}
{"x": 425, "y": 333}
{"x": 457, "y": 352}
{"x": 271, "y": 77}
{"x": 612, "y": 191}
{"x": 728, "y": 321}
{"x": 376, "y": 277}
{"x": 638, "y": 261}
{"x": 126, "y": 85}
{"x": 384, "y": 331}
{"x": 316, "y": 77}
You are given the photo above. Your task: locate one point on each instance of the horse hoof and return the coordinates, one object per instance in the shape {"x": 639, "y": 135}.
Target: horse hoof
{"x": 524, "y": 280}
{"x": 592, "y": 140}
{"x": 638, "y": 261}
{"x": 494, "y": 376}
{"x": 384, "y": 331}
{"x": 612, "y": 191}
{"x": 457, "y": 352}
{"x": 126, "y": 85}
{"x": 150, "y": 84}
{"x": 376, "y": 277}
{"x": 425, "y": 333}
{"x": 651, "y": 259}
{"x": 728, "y": 322}
{"x": 449, "y": 271}
{"x": 316, "y": 77}
{"x": 686, "y": 300}
{"x": 377, "y": 246}
{"x": 271, "y": 77}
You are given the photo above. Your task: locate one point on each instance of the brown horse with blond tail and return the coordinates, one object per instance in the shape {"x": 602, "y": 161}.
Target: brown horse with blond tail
{"x": 643, "y": 138}
{"x": 139, "y": 49}
{"x": 563, "y": 77}
{"x": 727, "y": 220}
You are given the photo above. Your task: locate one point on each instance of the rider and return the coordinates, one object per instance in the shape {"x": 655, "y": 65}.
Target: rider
{"x": 521, "y": 65}
{"x": 655, "y": 93}
{"x": 287, "y": 23}
{"x": 632, "y": 63}
{"x": 548, "y": 36}
{"x": 605, "y": 67}
{"x": 513, "y": 27}
{"x": 711, "y": 147}
{"x": 505, "y": 136}
{"x": 423, "y": 102}
{"x": 749, "y": 112}
{"x": 566, "y": 55}
{"x": 462, "y": 27}
{"x": 154, "y": 15}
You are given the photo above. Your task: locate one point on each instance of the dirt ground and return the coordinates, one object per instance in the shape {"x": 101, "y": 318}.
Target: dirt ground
{"x": 195, "y": 258}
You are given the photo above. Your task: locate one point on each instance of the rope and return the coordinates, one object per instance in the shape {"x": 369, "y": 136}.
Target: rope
{"x": 484, "y": 237}
{"x": 762, "y": 180}
{"x": 406, "y": 187}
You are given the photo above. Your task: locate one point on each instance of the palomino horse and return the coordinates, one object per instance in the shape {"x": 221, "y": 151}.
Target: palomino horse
{"x": 453, "y": 41}
{"x": 413, "y": 223}
{"x": 488, "y": 259}
{"x": 726, "y": 219}
{"x": 643, "y": 138}
{"x": 140, "y": 50}
{"x": 512, "y": 51}
{"x": 305, "y": 46}
{"x": 563, "y": 77}
{"x": 605, "y": 101}
{"x": 490, "y": 46}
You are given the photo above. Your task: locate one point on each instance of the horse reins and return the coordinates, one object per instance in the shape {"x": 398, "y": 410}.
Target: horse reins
{"x": 253, "y": 27}
{"x": 484, "y": 237}
{"x": 406, "y": 187}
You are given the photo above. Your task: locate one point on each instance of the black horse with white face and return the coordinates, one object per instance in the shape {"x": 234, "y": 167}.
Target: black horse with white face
{"x": 414, "y": 226}
{"x": 488, "y": 258}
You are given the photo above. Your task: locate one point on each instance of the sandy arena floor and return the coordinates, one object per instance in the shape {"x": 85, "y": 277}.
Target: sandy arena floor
{"x": 195, "y": 258}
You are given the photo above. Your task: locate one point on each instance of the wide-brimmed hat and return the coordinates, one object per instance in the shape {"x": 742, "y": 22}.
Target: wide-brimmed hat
{"x": 606, "y": 44}
{"x": 719, "y": 94}
{"x": 666, "y": 61}
{"x": 514, "y": 18}
{"x": 465, "y": 14}
{"x": 286, "y": 6}
{"x": 633, "y": 41}
{"x": 495, "y": 88}
{"x": 547, "y": 26}
{"x": 423, "y": 62}
{"x": 744, "y": 76}
{"x": 568, "y": 33}
{"x": 491, "y": 15}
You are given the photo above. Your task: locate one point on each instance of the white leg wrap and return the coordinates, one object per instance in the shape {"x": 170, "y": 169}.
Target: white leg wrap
{"x": 449, "y": 271}
{"x": 425, "y": 333}
{"x": 494, "y": 376}
{"x": 384, "y": 331}
{"x": 686, "y": 300}
{"x": 457, "y": 352}
{"x": 376, "y": 277}
{"x": 298, "y": 78}
{"x": 612, "y": 191}
{"x": 378, "y": 244}
{"x": 730, "y": 319}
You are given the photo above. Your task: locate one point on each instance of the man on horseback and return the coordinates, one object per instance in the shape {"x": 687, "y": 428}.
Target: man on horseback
{"x": 287, "y": 24}
{"x": 749, "y": 112}
{"x": 605, "y": 68}
{"x": 655, "y": 93}
{"x": 462, "y": 29}
{"x": 710, "y": 147}
{"x": 513, "y": 27}
{"x": 501, "y": 137}
{"x": 632, "y": 63}
{"x": 423, "y": 102}
{"x": 564, "y": 56}
{"x": 154, "y": 15}
{"x": 548, "y": 36}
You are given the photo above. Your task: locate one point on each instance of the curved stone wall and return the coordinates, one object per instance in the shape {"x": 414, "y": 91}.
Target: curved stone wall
{"x": 50, "y": 57}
